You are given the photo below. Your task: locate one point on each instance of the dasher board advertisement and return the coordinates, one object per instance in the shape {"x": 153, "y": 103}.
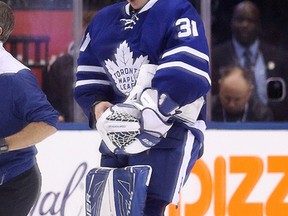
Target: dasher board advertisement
{"x": 242, "y": 172}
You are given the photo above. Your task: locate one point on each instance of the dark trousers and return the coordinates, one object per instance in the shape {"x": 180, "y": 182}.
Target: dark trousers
{"x": 18, "y": 195}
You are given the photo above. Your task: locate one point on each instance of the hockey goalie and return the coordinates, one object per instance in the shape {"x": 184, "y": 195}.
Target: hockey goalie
{"x": 142, "y": 80}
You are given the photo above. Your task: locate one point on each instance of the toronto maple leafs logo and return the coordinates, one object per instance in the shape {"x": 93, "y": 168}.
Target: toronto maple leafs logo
{"x": 124, "y": 71}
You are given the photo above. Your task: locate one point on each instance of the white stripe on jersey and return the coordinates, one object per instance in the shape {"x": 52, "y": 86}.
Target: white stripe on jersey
{"x": 89, "y": 82}
{"x": 188, "y": 50}
{"x": 89, "y": 68}
{"x": 184, "y": 166}
{"x": 186, "y": 67}
{"x": 85, "y": 43}
{"x": 199, "y": 124}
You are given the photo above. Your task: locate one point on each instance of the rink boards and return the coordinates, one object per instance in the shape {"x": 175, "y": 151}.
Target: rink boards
{"x": 242, "y": 172}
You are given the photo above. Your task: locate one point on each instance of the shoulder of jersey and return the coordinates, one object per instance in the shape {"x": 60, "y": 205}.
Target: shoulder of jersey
{"x": 8, "y": 64}
{"x": 110, "y": 10}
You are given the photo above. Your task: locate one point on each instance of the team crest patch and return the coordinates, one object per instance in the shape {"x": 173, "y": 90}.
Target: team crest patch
{"x": 124, "y": 70}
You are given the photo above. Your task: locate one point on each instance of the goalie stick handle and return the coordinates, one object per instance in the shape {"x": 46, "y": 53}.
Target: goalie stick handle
{"x": 146, "y": 74}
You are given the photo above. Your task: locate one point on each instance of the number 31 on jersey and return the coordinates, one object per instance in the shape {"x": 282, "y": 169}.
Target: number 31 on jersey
{"x": 187, "y": 28}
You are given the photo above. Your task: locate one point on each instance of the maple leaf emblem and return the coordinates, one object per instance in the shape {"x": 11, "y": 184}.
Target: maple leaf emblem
{"x": 125, "y": 70}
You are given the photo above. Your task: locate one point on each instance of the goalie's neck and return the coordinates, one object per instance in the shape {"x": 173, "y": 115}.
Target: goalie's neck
{"x": 133, "y": 11}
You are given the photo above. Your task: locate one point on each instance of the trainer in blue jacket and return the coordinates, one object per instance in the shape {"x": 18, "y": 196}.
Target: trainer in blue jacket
{"x": 26, "y": 118}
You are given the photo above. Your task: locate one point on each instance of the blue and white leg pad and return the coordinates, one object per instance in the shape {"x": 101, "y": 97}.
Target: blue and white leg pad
{"x": 117, "y": 191}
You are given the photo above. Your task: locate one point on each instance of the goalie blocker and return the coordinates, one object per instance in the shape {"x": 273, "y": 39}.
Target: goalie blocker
{"x": 112, "y": 191}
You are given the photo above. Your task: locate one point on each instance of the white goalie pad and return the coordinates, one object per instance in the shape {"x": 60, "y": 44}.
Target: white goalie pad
{"x": 117, "y": 191}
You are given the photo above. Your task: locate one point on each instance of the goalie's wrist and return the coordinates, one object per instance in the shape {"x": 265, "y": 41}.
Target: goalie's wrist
{"x": 92, "y": 118}
{"x": 92, "y": 109}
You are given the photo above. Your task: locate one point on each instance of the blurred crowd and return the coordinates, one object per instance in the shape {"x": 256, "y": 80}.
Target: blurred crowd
{"x": 247, "y": 37}
{"x": 266, "y": 65}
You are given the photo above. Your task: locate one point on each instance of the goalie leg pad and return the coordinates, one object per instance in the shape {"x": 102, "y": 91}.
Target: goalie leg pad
{"x": 117, "y": 191}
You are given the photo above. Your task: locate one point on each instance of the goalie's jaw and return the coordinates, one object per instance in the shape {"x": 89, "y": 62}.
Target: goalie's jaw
{"x": 137, "y": 4}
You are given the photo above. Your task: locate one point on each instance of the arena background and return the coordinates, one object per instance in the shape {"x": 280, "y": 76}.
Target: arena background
{"x": 61, "y": 23}
{"x": 244, "y": 167}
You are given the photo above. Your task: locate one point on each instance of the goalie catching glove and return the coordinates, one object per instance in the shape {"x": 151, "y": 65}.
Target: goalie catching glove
{"x": 134, "y": 127}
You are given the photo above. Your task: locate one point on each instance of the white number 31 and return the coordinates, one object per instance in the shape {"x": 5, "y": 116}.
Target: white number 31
{"x": 187, "y": 27}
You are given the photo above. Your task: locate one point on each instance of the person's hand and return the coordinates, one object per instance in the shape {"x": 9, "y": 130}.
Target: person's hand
{"x": 100, "y": 108}
{"x": 61, "y": 119}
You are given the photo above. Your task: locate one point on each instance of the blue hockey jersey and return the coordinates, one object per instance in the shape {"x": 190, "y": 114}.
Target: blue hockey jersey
{"x": 22, "y": 102}
{"x": 168, "y": 33}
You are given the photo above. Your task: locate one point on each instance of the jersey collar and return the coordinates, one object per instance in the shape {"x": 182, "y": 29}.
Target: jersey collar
{"x": 145, "y": 8}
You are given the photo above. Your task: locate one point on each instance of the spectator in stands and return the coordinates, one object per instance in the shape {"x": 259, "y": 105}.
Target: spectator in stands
{"x": 235, "y": 102}
{"x": 248, "y": 50}
{"x": 58, "y": 84}
{"x": 59, "y": 81}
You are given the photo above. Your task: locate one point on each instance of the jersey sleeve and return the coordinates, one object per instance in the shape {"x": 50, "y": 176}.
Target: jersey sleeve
{"x": 92, "y": 83}
{"x": 30, "y": 103}
{"x": 183, "y": 71}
